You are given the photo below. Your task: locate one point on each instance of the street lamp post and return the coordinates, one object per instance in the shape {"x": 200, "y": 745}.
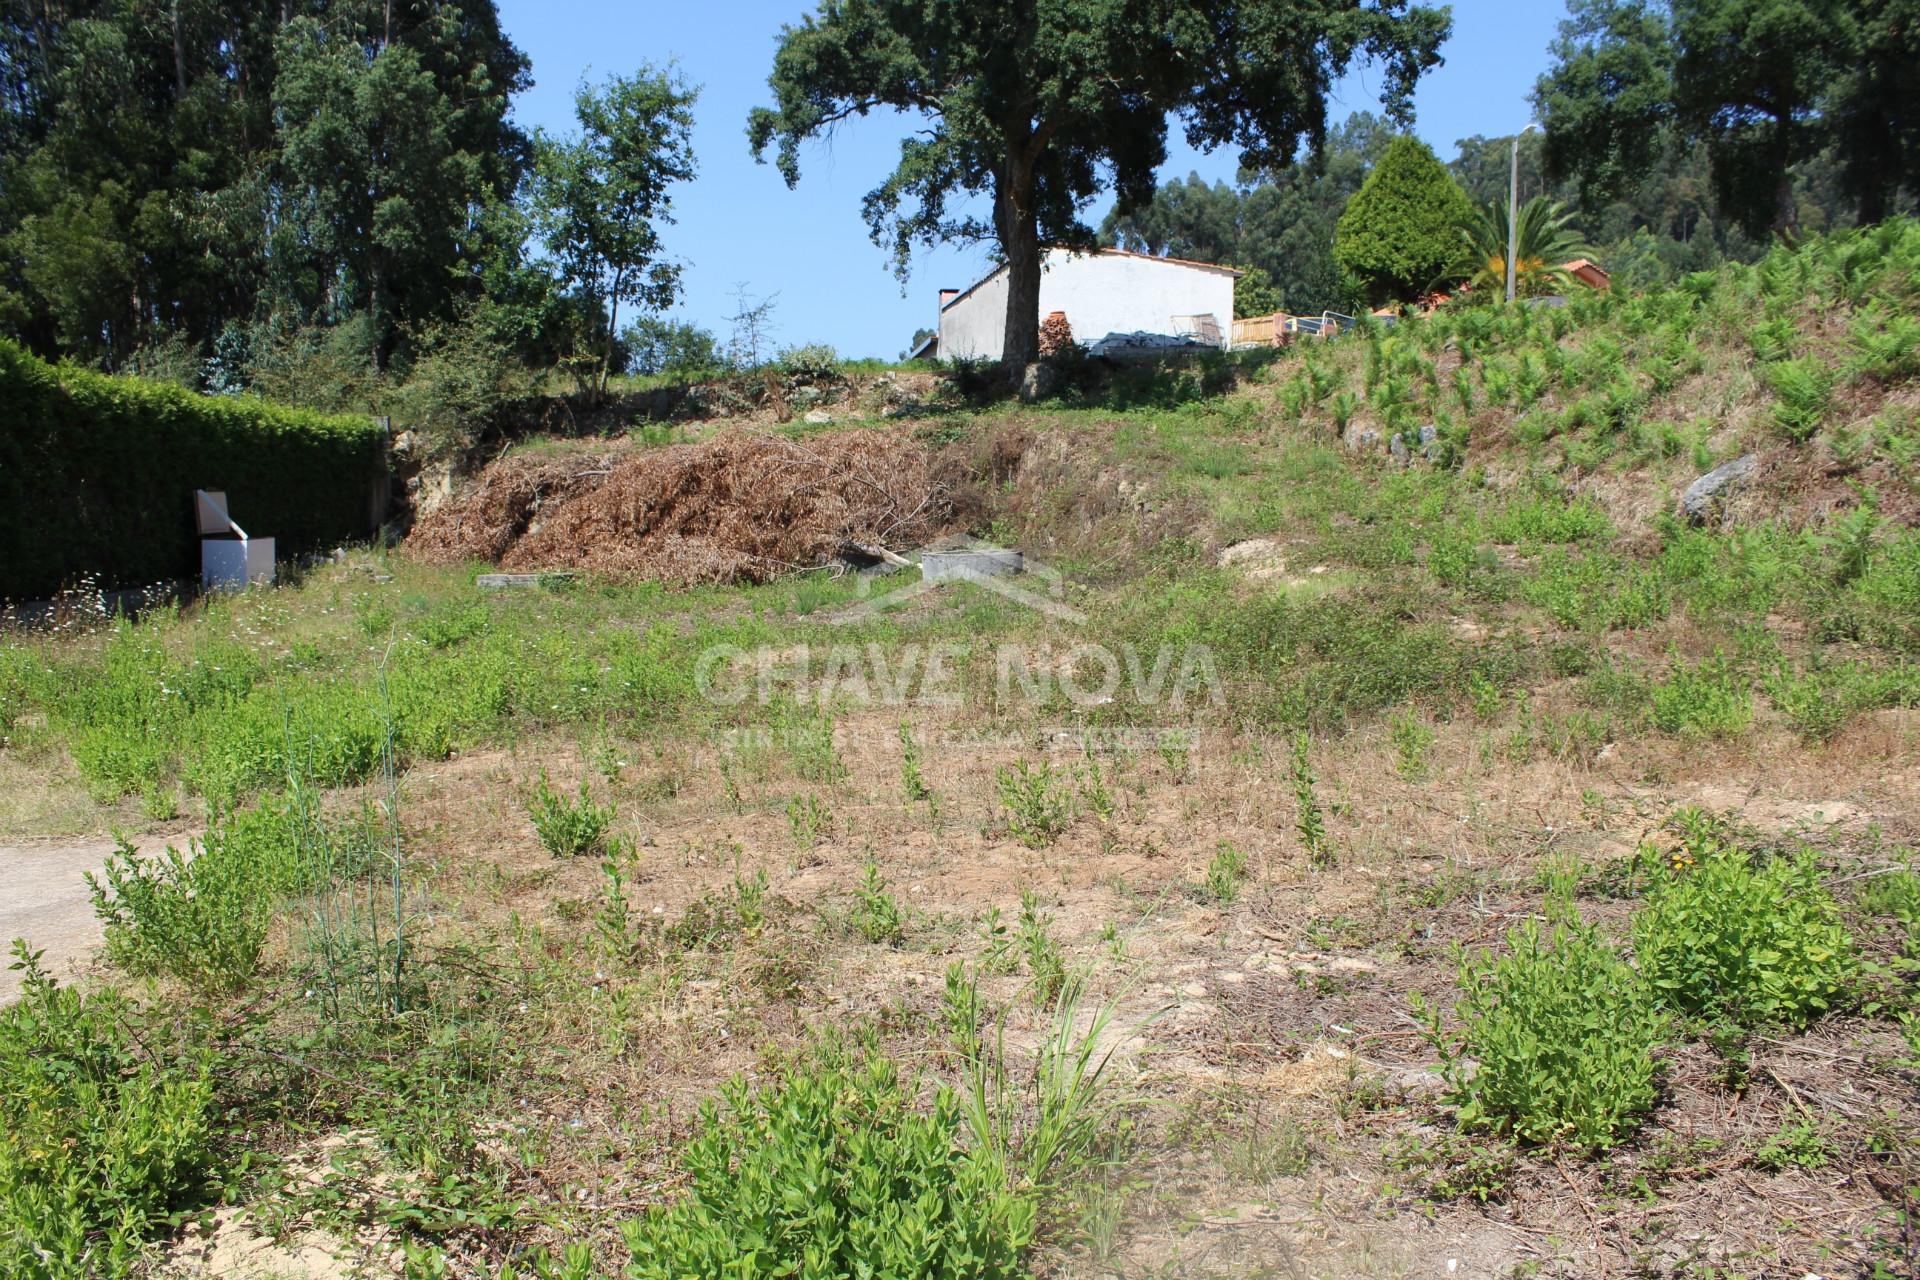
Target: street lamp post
{"x": 1513, "y": 205}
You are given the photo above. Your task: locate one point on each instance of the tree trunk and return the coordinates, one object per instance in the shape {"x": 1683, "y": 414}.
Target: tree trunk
{"x": 606, "y": 350}
{"x": 179, "y": 55}
{"x": 1786, "y": 213}
{"x": 1020, "y": 240}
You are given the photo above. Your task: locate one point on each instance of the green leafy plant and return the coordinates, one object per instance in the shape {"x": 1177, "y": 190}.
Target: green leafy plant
{"x": 912, "y": 780}
{"x": 1225, "y": 872}
{"x": 960, "y": 1011}
{"x": 100, "y": 1141}
{"x": 1800, "y": 1145}
{"x": 615, "y": 922}
{"x": 1707, "y": 700}
{"x": 877, "y": 914}
{"x": 808, "y": 820}
{"x": 1000, "y": 944}
{"x": 1039, "y": 807}
{"x": 1038, "y": 946}
{"x": 1457, "y": 1168}
{"x": 1094, "y": 792}
{"x": 1308, "y": 821}
{"x": 1556, "y": 1038}
{"x": 750, "y": 900}
{"x": 811, "y": 745}
{"x": 568, "y": 828}
{"x": 201, "y": 915}
{"x": 1724, "y": 937}
{"x": 833, "y": 1164}
{"x": 1412, "y": 739}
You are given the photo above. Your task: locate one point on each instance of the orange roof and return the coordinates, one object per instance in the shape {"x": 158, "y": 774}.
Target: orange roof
{"x": 1588, "y": 272}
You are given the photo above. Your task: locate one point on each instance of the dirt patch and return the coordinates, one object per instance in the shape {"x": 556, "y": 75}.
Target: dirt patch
{"x": 744, "y": 506}
{"x": 233, "y": 1244}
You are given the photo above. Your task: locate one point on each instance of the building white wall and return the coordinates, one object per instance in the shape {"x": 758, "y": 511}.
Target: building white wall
{"x": 1101, "y": 293}
{"x": 975, "y": 326}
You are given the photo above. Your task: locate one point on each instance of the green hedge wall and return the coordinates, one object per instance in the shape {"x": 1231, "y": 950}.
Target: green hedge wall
{"x": 97, "y": 475}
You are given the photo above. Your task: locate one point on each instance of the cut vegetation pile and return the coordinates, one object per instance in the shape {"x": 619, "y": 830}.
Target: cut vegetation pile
{"x": 741, "y": 507}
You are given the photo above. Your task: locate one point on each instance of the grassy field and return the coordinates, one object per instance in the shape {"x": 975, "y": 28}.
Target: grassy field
{"x": 1442, "y": 864}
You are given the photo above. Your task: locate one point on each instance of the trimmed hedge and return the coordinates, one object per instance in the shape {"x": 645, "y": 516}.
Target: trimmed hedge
{"x": 97, "y": 475}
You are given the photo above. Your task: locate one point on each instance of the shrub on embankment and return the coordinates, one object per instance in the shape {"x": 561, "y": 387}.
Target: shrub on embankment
{"x": 97, "y": 475}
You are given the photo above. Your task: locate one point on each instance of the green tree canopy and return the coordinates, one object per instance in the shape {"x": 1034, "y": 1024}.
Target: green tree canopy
{"x": 170, "y": 170}
{"x": 1279, "y": 221}
{"x": 1760, "y": 85}
{"x": 1401, "y": 231}
{"x": 599, "y": 197}
{"x": 1038, "y": 106}
{"x": 1255, "y": 294}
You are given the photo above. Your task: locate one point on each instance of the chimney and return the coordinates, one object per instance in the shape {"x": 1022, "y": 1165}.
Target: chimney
{"x": 947, "y": 296}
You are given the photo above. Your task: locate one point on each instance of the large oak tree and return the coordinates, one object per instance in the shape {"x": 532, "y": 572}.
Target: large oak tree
{"x": 1040, "y": 104}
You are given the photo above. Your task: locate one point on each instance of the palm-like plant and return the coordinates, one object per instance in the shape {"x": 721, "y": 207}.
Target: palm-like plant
{"x": 1547, "y": 240}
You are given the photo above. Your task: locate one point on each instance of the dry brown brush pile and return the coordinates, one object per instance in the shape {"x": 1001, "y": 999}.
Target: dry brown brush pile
{"x": 744, "y": 506}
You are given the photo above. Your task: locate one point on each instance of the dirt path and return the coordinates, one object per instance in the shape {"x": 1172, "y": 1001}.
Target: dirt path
{"x": 43, "y": 898}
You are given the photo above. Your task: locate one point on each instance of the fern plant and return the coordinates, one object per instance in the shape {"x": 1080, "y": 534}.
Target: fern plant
{"x": 1803, "y": 396}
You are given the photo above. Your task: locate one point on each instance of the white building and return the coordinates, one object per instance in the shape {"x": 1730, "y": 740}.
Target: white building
{"x": 1107, "y": 291}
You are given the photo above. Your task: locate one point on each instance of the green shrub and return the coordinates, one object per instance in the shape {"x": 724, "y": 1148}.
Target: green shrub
{"x": 99, "y": 1142}
{"x": 568, "y": 828}
{"x": 877, "y": 914}
{"x": 809, "y": 362}
{"x": 1725, "y": 939}
{"x": 97, "y": 475}
{"x": 1548, "y": 519}
{"x": 1039, "y": 804}
{"x": 1041, "y": 949}
{"x": 1596, "y": 591}
{"x": 1225, "y": 872}
{"x": 201, "y": 916}
{"x": 1556, "y": 1040}
{"x": 831, "y": 1172}
{"x": 464, "y": 374}
{"x": 1709, "y": 700}
{"x": 1819, "y": 700}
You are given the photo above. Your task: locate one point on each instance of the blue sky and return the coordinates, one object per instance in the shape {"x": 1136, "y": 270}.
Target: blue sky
{"x": 739, "y": 224}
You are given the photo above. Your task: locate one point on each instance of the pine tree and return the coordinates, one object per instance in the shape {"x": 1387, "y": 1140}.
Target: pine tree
{"x": 1400, "y": 233}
